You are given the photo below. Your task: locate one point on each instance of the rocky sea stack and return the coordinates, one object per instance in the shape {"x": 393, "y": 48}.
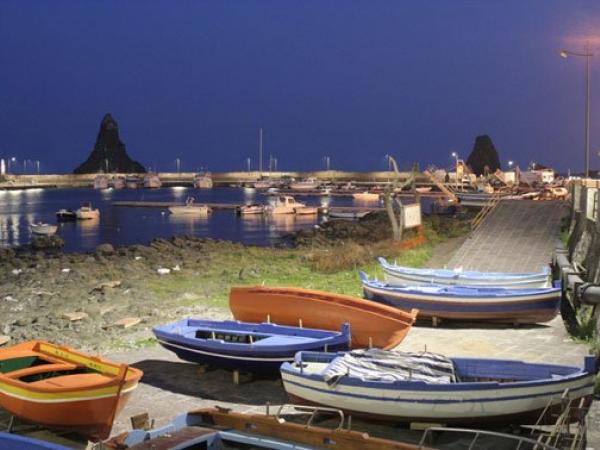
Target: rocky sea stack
{"x": 109, "y": 154}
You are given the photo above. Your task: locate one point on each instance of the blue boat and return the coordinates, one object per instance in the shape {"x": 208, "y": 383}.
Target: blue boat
{"x": 253, "y": 347}
{"x": 9, "y": 441}
{"x": 399, "y": 275}
{"x": 434, "y": 301}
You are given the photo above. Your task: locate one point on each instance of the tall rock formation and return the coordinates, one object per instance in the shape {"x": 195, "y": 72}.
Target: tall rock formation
{"x": 484, "y": 156}
{"x": 109, "y": 154}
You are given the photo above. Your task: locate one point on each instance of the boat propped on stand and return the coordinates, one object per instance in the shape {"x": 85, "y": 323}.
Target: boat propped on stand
{"x": 58, "y": 387}
{"x": 253, "y": 347}
{"x": 426, "y": 387}
{"x": 399, "y": 275}
{"x": 372, "y": 324}
{"x": 533, "y": 305}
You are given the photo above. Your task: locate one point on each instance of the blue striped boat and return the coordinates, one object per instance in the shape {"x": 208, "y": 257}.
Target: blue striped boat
{"x": 468, "y": 303}
{"x": 480, "y": 391}
{"x": 253, "y": 347}
{"x": 399, "y": 275}
{"x": 10, "y": 441}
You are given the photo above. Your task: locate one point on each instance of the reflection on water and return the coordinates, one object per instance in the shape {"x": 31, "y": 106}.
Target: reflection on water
{"x": 125, "y": 226}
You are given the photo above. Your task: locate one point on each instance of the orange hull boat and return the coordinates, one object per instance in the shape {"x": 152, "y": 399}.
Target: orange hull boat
{"x": 373, "y": 324}
{"x": 56, "y": 386}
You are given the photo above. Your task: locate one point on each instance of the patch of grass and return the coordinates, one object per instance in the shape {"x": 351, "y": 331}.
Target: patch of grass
{"x": 564, "y": 237}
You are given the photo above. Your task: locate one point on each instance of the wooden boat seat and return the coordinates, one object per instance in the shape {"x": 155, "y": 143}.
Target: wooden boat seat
{"x": 77, "y": 381}
{"x": 40, "y": 369}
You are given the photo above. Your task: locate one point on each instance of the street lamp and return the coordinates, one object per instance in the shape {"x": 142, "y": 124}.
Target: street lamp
{"x": 178, "y": 165}
{"x": 510, "y": 164}
{"x": 455, "y": 156}
{"x": 587, "y": 55}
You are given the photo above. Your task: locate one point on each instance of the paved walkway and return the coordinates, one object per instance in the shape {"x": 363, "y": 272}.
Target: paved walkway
{"x": 517, "y": 236}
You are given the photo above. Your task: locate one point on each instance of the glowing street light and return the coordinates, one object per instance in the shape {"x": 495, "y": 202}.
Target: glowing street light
{"x": 455, "y": 156}
{"x": 587, "y": 55}
{"x": 510, "y": 164}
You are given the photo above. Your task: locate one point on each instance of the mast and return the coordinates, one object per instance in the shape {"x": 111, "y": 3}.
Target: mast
{"x": 260, "y": 151}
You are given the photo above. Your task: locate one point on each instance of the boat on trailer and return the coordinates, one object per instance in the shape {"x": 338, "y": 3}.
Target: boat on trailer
{"x": 372, "y": 324}
{"x": 58, "y": 387}
{"x": 399, "y": 275}
{"x": 220, "y": 428}
{"x": 532, "y": 305}
{"x": 254, "y": 347}
{"x": 426, "y": 387}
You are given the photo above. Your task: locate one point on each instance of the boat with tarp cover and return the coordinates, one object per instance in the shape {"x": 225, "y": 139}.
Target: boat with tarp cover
{"x": 427, "y": 387}
{"x": 56, "y": 386}
{"x": 533, "y": 305}
{"x": 372, "y": 324}
{"x": 256, "y": 347}
{"x": 395, "y": 275}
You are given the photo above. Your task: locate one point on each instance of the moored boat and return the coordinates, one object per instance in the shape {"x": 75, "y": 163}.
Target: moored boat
{"x": 308, "y": 184}
{"x": 10, "y": 441}
{"x": 372, "y": 323}
{"x": 306, "y": 210}
{"x": 152, "y": 181}
{"x": 254, "y": 347}
{"x": 132, "y": 182}
{"x": 56, "y": 386}
{"x": 203, "y": 180}
{"x": 425, "y": 387}
{"x": 349, "y": 215}
{"x": 65, "y": 215}
{"x": 530, "y": 305}
{"x": 190, "y": 209}
{"x": 118, "y": 182}
{"x": 86, "y": 212}
{"x": 284, "y": 204}
{"x": 43, "y": 229}
{"x": 399, "y": 275}
{"x": 366, "y": 196}
{"x": 250, "y": 209}
{"x": 101, "y": 181}
{"x": 220, "y": 428}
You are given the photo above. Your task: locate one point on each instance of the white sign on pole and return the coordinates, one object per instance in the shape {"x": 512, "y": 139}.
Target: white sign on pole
{"x": 411, "y": 215}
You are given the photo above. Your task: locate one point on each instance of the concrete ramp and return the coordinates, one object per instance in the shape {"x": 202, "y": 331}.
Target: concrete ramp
{"x": 517, "y": 236}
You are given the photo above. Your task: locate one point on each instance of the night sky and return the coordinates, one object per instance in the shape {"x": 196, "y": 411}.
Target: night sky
{"x": 353, "y": 80}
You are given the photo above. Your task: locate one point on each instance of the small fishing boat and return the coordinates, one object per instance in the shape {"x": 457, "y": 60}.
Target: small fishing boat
{"x": 254, "y": 347}
{"x": 220, "y": 428}
{"x": 132, "y": 182}
{"x": 399, "y": 275}
{"x": 43, "y": 229}
{"x": 190, "y": 209}
{"x": 250, "y": 209}
{"x": 372, "y": 323}
{"x": 423, "y": 190}
{"x": 203, "y": 180}
{"x": 308, "y": 184}
{"x": 101, "y": 181}
{"x": 58, "y": 387}
{"x": 152, "y": 181}
{"x": 348, "y": 215}
{"x": 307, "y": 210}
{"x": 263, "y": 184}
{"x": 118, "y": 182}
{"x": 426, "y": 387}
{"x": 514, "y": 305}
{"x": 9, "y": 441}
{"x": 366, "y": 196}
{"x": 86, "y": 212}
{"x": 66, "y": 215}
{"x": 284, "y": 204}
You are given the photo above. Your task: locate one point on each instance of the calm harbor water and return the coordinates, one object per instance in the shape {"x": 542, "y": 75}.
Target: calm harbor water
{"x": 125, "y": 226}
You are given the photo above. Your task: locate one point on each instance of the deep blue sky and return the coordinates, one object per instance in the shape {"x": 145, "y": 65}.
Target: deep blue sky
{"x": 350, "y": 79}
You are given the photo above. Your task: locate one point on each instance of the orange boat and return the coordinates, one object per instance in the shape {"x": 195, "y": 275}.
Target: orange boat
{"x": 57, "y": 387}
{"x": 373, "y": 324}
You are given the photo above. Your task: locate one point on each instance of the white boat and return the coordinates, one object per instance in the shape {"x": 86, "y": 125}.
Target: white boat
{"x": 307, "y": 210}
{"x": 284, "y": 204}
{"x": 190, "y": 209}
{"x": 43, "y": 229}
{"x": 263, "y": 184}
{"x": 400, "y": 275}
{"x": 423, "y": 190}
{"x": 365, "y": 196}
{"x": 426, "y": 387}
{"x": 151, "y": 180}
{"x": 65, "y": 215}
{"x": 101, "y": 182}
{"x": 86, "y": 212}
{"x": 251, "y": 209}
{"x": 351, "y": 215}
{"x": 203, "y": 180}
{"x": 305, "y": 185}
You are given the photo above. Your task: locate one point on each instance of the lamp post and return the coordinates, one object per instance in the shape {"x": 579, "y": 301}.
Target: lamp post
{"x": 587, "y": 55}
{"x": 455, "y": 156}
{"x": 178, "y": 165}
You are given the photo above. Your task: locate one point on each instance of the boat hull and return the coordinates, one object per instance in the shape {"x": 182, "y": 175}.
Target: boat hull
{"x": 397, "y": 275}
{"x": 189, "y": 210}
{"x": 224, "y": 344}
{"x": 10, "y": 441}
{"x": 372, "y": 324}
{"x": 536, "y": 307}
{"x": 454, "y": 403}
